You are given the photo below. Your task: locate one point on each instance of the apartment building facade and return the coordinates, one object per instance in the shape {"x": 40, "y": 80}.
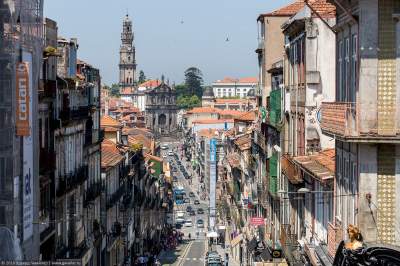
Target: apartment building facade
{"x": 364, "y": 119}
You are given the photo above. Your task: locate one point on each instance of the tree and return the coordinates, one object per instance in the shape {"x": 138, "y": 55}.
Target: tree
{"x": 142, "y": 77}
{"x": 114, "y": 90}
{"x": 194, "y": 81}
{"x": 181, "y": 90}
{"x": 188, "y": 102}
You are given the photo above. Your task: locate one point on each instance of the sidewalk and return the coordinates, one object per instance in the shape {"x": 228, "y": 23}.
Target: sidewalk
{"x": 171, "y": 257}
{"x": 222, "y": 251}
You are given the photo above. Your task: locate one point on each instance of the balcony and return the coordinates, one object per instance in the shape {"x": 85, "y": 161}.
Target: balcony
{"x": 49, "y": 89}
{"x": 71, "y": 181}
{"x": 47, "y": 161}
{"x": 290, "y": 170}
{"x": 92, "y": 193}
{"x": 335, "y": 236}
{"x": 67, "y": 114}
{"x": 260, "y": 140}
{"x": 360, "y": 122}
{"x": 115, "y": 197}
{"x": 289, "y": 244}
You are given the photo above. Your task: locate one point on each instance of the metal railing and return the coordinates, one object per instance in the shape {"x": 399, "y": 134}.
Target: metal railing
{"x": 115, "y": 197}
{"x": 71, "y": 181}
{"x": 93, "y": 191}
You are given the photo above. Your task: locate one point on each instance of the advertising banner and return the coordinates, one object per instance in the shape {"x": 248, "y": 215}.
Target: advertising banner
{"x": 23, "y": 100}
{"x": 213, "y": 180}
{"x": 257, "y": 221}
{"x": 24, "y": 115}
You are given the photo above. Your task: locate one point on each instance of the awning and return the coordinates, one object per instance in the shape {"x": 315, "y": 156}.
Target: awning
{"x": 236, "y": 240}
{"x": 212, "y": 234}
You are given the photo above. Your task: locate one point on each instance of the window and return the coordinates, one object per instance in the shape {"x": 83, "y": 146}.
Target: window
{"x": 340, "y": 72}
{"x": 354, "y": 55}
{"x": 347, "y": 69}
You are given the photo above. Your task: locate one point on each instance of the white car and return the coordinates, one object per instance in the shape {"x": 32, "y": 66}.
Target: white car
{"x": 164, "y": 147}
{"x": 188, "y": 223}
{"x": 170, "y": 153}
{"x": 164, "y": 156}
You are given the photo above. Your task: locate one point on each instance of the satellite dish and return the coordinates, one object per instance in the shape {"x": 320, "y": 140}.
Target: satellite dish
{"x": 10, "y": 249}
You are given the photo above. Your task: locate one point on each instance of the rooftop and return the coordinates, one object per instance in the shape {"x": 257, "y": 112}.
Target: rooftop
{"x": 320, "y": 165}
{"x": 235, "y": 80}
{"x": 199, "y": 110}
{"x": 286, "y": 11}
{"x": 108, "y": 121}
{"x": 248, "y": 116}
{"x": 212, "y": 121}
{"x": 150, "y": 84}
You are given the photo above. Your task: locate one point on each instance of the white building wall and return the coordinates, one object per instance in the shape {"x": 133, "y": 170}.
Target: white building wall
{"x": 232, "y": 90}
{"x": 215, "y": 126}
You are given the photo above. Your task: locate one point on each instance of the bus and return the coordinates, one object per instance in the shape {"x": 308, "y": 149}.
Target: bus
{"x": 179, "y": 193}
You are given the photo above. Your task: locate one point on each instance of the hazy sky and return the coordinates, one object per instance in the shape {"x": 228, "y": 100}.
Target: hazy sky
{"x": 165, "y": 45}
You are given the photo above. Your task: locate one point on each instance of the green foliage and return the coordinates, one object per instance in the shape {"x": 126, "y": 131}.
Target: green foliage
{"x": 187, "y": 102}
{"x": 231, "y": 97}
{"x": 114, "y": 90}
{"x": 136, "y": 147}
{"x": 142, "y": 77}
{"x": 181, "y": 90}
{"x": 194, "y": 81}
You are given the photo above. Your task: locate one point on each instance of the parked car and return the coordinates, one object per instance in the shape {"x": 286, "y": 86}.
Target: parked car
{"x": 191, "y": 194}
{"x": 189, "y": 208}
{"x": 164, "y": 147}
{"x": 196, "y": 202}
{"x": 192, "y": 213}
{"x": 200, "y": 211}
{"x": 170, "y": 153}
{"x": 186, "y": 200}
{"x": 188, "y": 223}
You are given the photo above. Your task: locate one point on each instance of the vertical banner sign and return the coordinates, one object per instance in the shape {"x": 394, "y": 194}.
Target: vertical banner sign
{"x": 213, "y": 180}
{"x": 23, "y": 100}
{"x": 24, "y": 115}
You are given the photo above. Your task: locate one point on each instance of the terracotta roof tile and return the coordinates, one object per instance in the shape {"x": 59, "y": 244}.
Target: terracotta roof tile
{"x": 110, "y": 154}
{"x": 199, "y": 110}
{"x": 324, "y": 8}
{"x": 240, "y": 80}
{"x": 233, "y": 159}
{"x": 231, "y": 101}
{"x": 286, "y": 11}
{"x": 151, "y": 84}
{"x": 110, "y": 129}
{"x": 127, "y": 91}
{"x": 243, "y": 142}
{"x": 321, "y": 165}
{"x": 248, "y": 116}
{"x": 212, "y": 121}
{"x": 108, "y": 121}
{"x": 230, "y": 113}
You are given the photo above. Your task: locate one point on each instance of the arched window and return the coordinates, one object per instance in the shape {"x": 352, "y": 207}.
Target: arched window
{"x": 127, "y": 80}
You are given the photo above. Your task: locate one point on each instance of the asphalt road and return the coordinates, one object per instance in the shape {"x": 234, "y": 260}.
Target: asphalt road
{"x": 195, "y": 251}
{"x": 195, "y": 254}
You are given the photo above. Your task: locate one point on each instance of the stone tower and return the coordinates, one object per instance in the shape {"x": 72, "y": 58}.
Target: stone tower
{"x": 127, "y": 62}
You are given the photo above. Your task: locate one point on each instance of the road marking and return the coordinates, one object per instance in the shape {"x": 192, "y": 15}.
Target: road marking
{"x": 185, "y": 252}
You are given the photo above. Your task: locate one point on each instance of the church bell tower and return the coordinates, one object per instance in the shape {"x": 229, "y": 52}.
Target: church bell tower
{"x": 127, "y": 62}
